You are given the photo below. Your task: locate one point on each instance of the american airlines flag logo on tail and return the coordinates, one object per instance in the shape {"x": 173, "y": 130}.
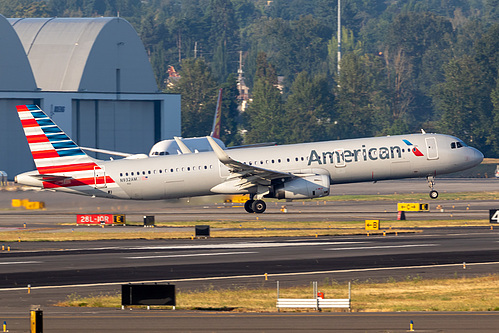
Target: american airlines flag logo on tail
{"x": 55, "y": 153}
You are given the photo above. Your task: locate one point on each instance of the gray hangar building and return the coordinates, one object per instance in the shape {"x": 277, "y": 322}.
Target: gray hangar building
{"x": 92, "y": 76}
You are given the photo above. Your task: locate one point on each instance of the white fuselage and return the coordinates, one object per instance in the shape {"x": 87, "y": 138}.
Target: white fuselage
{"x": 344, "y": 161}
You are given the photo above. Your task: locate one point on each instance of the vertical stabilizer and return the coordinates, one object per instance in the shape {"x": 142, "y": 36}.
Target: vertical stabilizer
{"x": 215, "y": 131}
{"x": 53, "y": 151}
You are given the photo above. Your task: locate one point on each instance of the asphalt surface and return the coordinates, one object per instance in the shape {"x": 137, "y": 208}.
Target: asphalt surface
{"x": 57, "y": 270}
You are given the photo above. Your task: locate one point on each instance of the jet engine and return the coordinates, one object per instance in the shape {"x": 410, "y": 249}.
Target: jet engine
{"x": 303, "y": 188}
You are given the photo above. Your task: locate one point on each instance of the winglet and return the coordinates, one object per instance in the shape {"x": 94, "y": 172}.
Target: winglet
{"x": 183, "y": 148}
{"x": 221, "y": 154}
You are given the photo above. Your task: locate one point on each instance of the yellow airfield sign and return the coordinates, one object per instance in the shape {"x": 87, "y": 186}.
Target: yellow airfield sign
{"x": 412, "y": 207}
{"x": 372, "y": 224}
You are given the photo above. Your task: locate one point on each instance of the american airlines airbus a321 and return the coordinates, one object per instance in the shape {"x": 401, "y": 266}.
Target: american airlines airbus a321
{"x": 296, "y": 171}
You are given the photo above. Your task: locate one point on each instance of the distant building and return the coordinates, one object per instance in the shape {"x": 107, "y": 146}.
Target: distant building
{"x": 91, "y": 75}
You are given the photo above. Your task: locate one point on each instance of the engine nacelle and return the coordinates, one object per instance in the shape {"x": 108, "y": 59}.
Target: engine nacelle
{"x": 303, "y": 188}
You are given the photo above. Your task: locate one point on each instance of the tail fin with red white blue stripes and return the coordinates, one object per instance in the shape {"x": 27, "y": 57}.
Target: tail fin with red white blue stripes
{"x": 53, "y": 151}
{"x": 59, "y": 161}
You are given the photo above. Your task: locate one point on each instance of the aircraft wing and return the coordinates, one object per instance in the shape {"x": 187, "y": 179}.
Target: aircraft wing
{"x": 249, "y": 175}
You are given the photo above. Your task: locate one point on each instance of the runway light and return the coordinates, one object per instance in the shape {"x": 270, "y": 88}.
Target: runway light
{"x": 266, "y": 276}
{"x": 5, "y": 326}
{"x": 384, "y": 233}
{"x": 411, "y": 326}
{"x": 29, "y": 289}
{"x": 464, "y": 265}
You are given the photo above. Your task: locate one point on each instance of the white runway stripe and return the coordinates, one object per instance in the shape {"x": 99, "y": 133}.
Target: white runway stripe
{"x": 20, "y": 262}
{"x": 379, "y": 247}
{"x": 190, "y": 255}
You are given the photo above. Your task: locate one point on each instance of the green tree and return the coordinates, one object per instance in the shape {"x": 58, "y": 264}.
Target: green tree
{"x": 463, "y": 101}
{"x": 264, "y": 115}
{"x": 309, "y": 109}
{"x": 230, "y": 118}
{"x": 223, "y": 37}
{"x": 197, "y": 88}
{"x": 361, "y": 97}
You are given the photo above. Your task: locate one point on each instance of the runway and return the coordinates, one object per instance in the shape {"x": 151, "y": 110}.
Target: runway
{"x": 297, "y": 260}
{"x": 55, "y": 270}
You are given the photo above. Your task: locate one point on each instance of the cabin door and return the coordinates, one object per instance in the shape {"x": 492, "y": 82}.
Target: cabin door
{"x": 99, "y": 177}
{"x": 431, "y": 148}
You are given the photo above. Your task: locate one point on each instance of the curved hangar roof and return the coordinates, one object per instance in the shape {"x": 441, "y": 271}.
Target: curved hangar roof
{"x": 86, "y": 54}
{"x": 15, "y": 71}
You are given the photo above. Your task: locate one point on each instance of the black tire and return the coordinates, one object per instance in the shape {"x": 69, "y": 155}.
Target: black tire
{"x": 259, "y": 206}
{"x": 433, "y": 194}
{"x": 247, "y": 206}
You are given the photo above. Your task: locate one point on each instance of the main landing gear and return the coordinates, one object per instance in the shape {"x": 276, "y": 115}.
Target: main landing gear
{"x": 431, "y": 183}
{"x": 255, "y": 206}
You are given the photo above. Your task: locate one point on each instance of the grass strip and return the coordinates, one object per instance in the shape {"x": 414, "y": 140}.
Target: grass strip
{"x": 411, "y": 294}
{"x": 223, "y": 229}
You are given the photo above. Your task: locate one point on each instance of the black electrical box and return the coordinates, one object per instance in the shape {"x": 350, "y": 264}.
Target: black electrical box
{"x": 148, "y": 221}
{"x": 202, "y": 231}
{"x": 148, "y": 294}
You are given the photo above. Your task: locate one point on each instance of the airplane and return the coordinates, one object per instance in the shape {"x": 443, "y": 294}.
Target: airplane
{"x": 297, "y": 171}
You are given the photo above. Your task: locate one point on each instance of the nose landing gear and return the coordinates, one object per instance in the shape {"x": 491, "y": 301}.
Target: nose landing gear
{"x": 431, "y": 183}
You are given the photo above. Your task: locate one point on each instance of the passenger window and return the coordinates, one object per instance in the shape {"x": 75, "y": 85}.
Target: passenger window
{"x": 126, "y": 174}
{"x": 288, "y": 159}
{"x": 149, "y": 172}
{"x": 188, "y": 168}
{"x": 121, "y": 174}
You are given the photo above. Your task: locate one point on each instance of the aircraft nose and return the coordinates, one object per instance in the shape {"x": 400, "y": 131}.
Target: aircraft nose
{"x": 476, "y": 156}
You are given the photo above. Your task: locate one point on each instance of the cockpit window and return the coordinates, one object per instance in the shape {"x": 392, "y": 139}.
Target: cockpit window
{"x": 457, "y": 144}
